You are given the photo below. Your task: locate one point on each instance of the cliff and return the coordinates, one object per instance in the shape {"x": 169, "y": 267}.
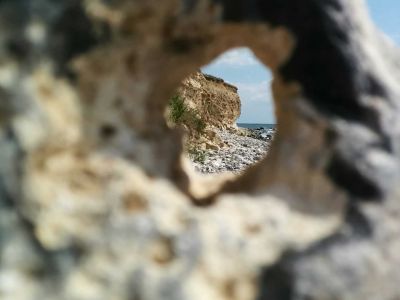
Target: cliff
{"x": 208, "y": 103}
{"x": 217, "y": 102}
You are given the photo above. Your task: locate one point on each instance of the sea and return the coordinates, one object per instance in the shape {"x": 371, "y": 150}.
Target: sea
{"x": 256, "y": 125}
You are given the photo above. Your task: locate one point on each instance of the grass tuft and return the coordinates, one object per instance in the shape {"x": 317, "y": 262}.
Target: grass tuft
{"x": 197, "y": 155}
{"x": 177, "y": 109}
{"x": 180, "y": 113}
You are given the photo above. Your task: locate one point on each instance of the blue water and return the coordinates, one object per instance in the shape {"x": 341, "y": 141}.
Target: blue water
{"x": 256, "y": 125}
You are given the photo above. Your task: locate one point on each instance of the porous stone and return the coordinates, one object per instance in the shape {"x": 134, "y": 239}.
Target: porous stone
{"x": 97, "y": 202}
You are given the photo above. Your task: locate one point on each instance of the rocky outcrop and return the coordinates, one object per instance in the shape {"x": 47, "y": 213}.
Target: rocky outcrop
{"x": 210, "y": 104}
{"x": 96, "y": 201}
{"x": 217, "y": 102}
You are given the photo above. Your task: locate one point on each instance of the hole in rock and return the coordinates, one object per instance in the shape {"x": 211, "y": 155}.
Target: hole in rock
{"x": 226, "y": 110}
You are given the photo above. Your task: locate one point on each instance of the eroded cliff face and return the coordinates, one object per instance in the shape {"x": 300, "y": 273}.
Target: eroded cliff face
{"x": 96, "y": 201}
{"x": 204, "y": 103}
{"x": 209, "y": 103}
{"x": 217, "y": 102}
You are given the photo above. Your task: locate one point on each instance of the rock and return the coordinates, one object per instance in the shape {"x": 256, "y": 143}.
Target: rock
{"x": 209, "y": 133}
{"x": 216, "y": 102}
{"x": 210, "y": 146}
{"x": 98, "y": 202}
{"x": 241, "y": 153}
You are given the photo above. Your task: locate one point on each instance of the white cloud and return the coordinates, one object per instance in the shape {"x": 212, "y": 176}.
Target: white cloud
{"x": 395, "y": 37}
{"x": 255, "y": 92}
{"x": 241, "y": 68}
{"x": 237, "y": 57}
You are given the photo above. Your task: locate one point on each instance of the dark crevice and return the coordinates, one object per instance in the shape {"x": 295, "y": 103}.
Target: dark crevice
{"x": 14, "y": 15}
{"x": 107, "y": 131}
{"x": 359, "y": 225}
{"x": 345, "y": 174}
{"x": 181, "y": 45}
{"x": 188, "y": 6}
{"x": 71, "y": 39}
{"x": 276, "y": 281}
{"x": 19, "y": 47}
{"x": 6, "y": 200}
{"x": 12, "y": 202}
{"x": 331, "y": 137}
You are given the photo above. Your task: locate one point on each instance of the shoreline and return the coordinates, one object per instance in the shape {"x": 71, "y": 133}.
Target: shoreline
{"x": 260, "y": 126}
{"x": 245, "y": 147}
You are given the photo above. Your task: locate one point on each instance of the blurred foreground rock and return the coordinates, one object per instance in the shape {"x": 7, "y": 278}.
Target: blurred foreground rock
{"x": 97, "y": 201}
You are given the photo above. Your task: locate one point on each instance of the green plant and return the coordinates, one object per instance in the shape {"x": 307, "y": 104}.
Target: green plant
{"x": 177, "y": 109}
{"x": 179, "y": 113}
{"x": 200, "y": 125}
{"x": 197, "y": 155}
{"x": 193, "y": 121}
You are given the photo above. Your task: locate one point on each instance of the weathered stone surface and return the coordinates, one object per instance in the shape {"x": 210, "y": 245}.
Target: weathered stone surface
{"x": 210, "y": 104}
{"x": 218, "y": 102}
{"x": 95, "y": 198}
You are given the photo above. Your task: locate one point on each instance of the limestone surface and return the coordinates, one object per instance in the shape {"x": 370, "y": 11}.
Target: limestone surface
{"x": 97, "y": 201}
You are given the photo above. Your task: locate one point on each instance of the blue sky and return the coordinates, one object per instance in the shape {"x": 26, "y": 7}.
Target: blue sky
{"x": 240, "y": 67}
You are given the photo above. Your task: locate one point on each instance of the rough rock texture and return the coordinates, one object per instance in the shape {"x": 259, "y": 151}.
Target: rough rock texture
{"x": 243, "y": 149}
{"x": 212, "y": 105}
{"x": 95, "y": 198}
{"x": 217, "y": 102}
